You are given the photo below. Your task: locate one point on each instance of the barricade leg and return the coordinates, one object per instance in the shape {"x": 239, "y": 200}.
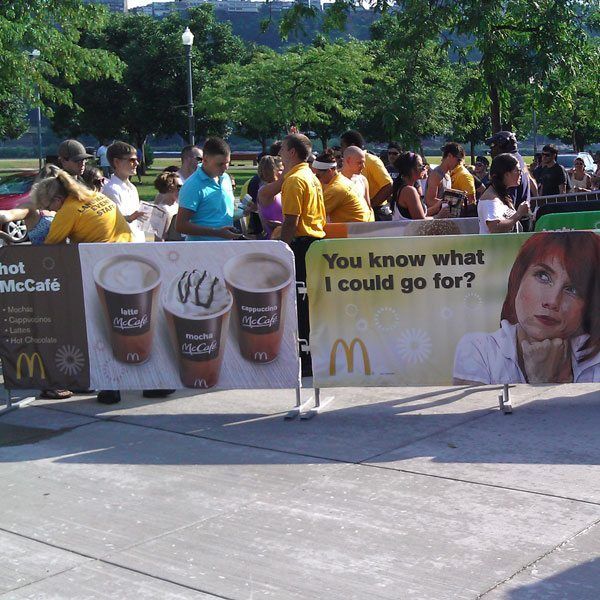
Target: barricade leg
{"x": 292, "y": 414}
{"x": 505, "y": 401}
{"x": 319, "y": 405}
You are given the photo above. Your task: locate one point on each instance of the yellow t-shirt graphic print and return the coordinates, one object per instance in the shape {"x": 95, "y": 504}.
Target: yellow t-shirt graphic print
{"x": 98, "y": 220}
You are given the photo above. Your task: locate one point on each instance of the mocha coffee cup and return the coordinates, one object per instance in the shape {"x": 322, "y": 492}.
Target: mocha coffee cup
{"x": 259, "y": 284}
{"x": 127, "y": 287}
{"x": 197, "y": 307}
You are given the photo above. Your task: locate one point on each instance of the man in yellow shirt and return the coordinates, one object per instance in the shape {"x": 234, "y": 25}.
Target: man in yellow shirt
{"x": 303, "y": 218}
{"x": 461, "y": 178}
{"x": 380, "y": 182}
{"x": 342, "y": 203}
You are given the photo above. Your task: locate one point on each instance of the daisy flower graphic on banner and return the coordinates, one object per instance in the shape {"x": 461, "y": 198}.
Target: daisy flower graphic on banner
{"x": 362, "y": 325}
{"x": 446, "y": 313}
{"x": 473, "y": 300}
{"x": 414, "y": 346}
{"x": 69, "y": 360}
{"x": 351, "y": 310}
{"x": 387, "y": 318}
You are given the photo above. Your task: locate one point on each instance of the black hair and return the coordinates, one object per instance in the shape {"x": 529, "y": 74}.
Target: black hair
{"x": 405, "y": 164}
{"x": 395, "y": 146}
{"x": 453, "y": 148}
{"x": 327, "y": 156}
{"x": 215, "y": 146}
{"x": 187, "y": 149}
{"x": 550, "y": 148}
{"x": 274, "y": 148}
{"x": 501, "y": 165}
{"x": 353, "y": 138}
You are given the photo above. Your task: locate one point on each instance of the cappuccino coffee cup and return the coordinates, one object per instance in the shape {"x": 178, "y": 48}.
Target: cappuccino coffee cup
{"x": 259, "y": 284}
{"x": 127, "y": 287}
{"x": 197, "y": 307}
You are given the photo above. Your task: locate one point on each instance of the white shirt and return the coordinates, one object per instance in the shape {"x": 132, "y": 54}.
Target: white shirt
{"x": 492, "y": 210}
{"x": 125, "y": 195}
{"x": 101, "y": 154}
{"x": 491, "y": 358}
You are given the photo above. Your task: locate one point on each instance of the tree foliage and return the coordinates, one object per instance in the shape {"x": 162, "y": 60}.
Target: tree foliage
{"x": 55, "y": 28}
{"x": 151, "y": 95}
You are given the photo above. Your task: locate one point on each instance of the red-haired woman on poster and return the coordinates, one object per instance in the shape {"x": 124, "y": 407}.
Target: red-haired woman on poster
{"x": 550, "y": 322}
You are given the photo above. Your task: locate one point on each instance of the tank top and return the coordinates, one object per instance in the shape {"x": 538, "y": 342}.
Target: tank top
{"x": 402, "y": 210}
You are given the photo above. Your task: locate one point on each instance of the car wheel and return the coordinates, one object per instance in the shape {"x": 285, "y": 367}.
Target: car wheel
{"x": 17, "y": 231}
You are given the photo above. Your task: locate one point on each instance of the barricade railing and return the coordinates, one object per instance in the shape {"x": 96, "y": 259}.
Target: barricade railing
{"x": 538, "y": 201}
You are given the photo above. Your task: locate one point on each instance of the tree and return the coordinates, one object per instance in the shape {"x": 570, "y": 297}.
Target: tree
{"x": 413, "y": 89}
{"x": 511, "y": 40}
{"x": 55, "y": 28}
{"x": 151, "y": 96}
{"x": 572, "y": 104}
{"x": 319, "y": 88}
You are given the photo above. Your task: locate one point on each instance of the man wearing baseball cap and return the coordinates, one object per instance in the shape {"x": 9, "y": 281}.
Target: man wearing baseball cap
{"x": 505, "y": 142}
{"x": 72, "y": 157}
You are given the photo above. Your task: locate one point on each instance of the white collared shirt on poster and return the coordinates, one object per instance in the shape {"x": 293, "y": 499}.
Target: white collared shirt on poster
{"x": 491, "y": 358}
{"x": 125, "y": 195}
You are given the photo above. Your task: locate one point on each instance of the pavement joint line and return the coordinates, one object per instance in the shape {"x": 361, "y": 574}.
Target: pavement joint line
{"x": 489, "y": 411}
{"x": 483, "y": 484}
{"x": 362, "y": 462}
{"x": 92, "y": 559}
{"x": 538, "y": 559}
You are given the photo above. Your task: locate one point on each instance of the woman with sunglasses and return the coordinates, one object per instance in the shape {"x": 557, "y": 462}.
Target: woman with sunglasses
{"x": 124, "y": 161}
{"x": 580, "y": 180}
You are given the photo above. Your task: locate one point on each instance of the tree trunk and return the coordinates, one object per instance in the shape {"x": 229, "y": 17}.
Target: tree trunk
{"x": 324, "y": 142}
{"x": 421, "y": 150}
{"x": 495, "y": 108}
{"x": 263, "y": 143}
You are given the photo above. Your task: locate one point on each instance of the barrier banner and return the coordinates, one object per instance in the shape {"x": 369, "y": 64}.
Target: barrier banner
{"x": 403, "y": 227}
{"x": 492, "y": 309}
{"x": 205, "y": 315}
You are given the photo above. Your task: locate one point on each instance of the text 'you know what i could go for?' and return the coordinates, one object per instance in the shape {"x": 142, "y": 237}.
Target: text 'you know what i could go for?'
{"x": 390, "y": 281}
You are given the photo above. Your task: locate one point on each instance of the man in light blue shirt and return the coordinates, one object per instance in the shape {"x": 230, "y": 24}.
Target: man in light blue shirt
{"x": 206, "y": 201}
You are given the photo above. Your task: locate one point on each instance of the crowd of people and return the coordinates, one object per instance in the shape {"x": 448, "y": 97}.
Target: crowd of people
{"x": 291, "y": 198}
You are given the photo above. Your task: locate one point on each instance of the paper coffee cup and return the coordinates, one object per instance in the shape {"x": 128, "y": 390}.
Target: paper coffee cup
{"x": 197, "y": 307}
{"x": 259, "y": 284}
{"x": 127, "y": 287}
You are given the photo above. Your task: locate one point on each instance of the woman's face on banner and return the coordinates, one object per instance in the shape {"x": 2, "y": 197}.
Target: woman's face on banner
{"x": 547, "y": 304}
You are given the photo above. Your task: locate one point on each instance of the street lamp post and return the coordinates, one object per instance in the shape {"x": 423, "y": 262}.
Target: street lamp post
{"x": 35, "y": 54}
{"x": 187, "y": 39}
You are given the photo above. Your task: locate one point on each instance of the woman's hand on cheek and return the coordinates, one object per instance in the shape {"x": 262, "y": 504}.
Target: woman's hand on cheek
{"x": 548, "y": 361}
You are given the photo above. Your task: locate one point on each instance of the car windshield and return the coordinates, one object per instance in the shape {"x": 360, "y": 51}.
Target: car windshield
{"x": 566, "y": 160}
{"x": 15, "y": 184}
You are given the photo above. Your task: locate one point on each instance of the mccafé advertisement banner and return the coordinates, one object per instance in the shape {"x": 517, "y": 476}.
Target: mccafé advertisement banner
{"x": 206, "y": 315}
{"x": 472, "y": 309}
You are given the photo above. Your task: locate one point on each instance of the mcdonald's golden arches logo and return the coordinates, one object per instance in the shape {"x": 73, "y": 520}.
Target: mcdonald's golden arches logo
{"x": 349, "y": 354}
{"x": 30, "y": 362}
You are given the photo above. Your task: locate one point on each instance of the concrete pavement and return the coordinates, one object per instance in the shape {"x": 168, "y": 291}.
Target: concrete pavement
{"x": 425, "y": 493}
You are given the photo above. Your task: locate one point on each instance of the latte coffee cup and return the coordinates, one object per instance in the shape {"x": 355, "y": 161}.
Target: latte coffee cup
{"x": 197, "y": 307}
{"x": 259, "y": 284}
{"x": 127, "y": 287}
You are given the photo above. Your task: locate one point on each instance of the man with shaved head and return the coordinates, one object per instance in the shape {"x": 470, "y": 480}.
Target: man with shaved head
{"x": 352, "y": 167}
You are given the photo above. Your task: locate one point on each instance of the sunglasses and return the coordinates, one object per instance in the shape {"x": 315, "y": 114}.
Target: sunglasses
{"x": 393, "y": 153}
{"x": 547, "y": 154}
{"x": 199, "y": 159}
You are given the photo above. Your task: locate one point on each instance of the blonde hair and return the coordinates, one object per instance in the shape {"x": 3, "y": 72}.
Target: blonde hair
{"x": 59, "y": 184}
{"x": 267, "y": 167}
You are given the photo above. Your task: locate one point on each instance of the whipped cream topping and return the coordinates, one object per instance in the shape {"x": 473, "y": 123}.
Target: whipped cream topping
{"x": 197, "y": 294}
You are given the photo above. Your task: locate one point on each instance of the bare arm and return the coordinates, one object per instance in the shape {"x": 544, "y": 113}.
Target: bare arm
{"x": 184, "y": 225}
{"x": 267, "y": 193}
{"x": 14, "y": 214}
{"x": 433, "y": 182}
{"x": 382, "y": 195}
{"x": 368, "y": 193}
{"x": 506, "y": 225}
{"x": 288, "y": 229}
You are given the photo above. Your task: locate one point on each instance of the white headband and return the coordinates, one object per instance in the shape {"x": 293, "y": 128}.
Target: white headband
{"x": 323, "y": 166}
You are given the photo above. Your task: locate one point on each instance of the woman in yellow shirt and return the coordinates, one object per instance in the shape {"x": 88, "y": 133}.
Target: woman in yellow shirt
{"x": 82, "y": 215}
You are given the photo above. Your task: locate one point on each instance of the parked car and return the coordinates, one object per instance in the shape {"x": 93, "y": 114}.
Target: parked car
{"x": 14, "y": 191}
{"x": 567, "y": 160}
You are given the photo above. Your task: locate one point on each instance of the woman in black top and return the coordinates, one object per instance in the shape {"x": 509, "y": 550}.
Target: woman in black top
{"x": 405, "y": 196}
